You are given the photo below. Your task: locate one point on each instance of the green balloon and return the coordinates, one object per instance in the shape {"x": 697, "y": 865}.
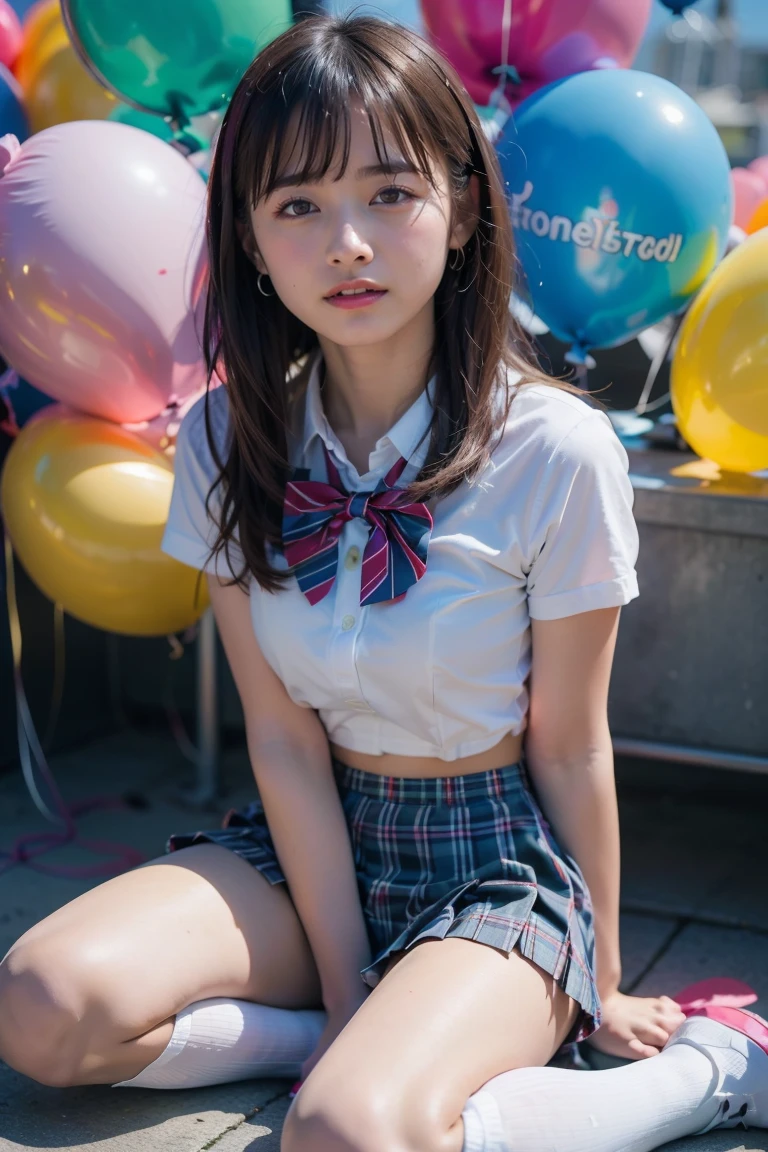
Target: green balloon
{"x": 147, "y": 121}
{"x": 180, "y": 58}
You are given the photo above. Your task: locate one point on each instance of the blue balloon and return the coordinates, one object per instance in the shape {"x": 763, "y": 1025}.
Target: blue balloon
{"x": 21, "y": 7}
{"x": 621, "y": 201}
{"x": 13, "y": 118}
{"x": 678, "y": 6}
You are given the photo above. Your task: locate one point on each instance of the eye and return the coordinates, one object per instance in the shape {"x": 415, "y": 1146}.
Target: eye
{"x": 397, "y": 191}
{"x": 301, "y": 207}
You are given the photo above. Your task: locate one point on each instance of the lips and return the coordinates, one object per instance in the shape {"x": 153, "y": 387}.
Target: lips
{"x": 353, "y": 287}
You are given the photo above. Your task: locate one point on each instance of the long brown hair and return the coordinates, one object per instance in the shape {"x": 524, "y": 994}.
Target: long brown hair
{"x": 408, "y": 90}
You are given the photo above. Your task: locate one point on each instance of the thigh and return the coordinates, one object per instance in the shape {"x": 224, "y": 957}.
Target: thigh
{"x": 447, "y": 1017}
{"x": 196, "y": 924}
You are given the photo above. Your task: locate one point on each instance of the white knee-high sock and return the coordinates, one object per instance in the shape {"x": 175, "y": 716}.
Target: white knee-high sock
{"x": 216, "y": 1041}
{"x": 634, "y": 1108}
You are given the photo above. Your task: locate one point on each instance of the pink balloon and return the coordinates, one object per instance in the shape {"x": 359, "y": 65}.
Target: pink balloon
{"x": 11, "y": 36}
{"x": 162, "y": 430}
{"x": 749, "y": 190}
{"x": 547, "y": 40}
{"x": 103, "y": 268}
{"x": 760, "y": 168}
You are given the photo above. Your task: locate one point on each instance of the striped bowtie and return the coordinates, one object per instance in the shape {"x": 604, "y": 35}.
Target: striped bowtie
{"x": 315, "y": 513}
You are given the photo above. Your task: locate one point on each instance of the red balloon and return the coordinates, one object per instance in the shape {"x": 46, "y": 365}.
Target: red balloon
{"x": 10, "y": 34}
{"x": 546, "y": 41}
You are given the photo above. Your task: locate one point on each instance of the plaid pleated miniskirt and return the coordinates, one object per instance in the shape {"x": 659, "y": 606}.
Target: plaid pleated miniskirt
{"x": 469, "y": 856}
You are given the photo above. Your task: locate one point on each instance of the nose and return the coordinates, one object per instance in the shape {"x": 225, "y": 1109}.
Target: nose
{"x": 349, "y": 247}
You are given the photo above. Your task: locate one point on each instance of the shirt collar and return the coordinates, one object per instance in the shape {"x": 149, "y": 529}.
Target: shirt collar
{"x": 402, "y": 439}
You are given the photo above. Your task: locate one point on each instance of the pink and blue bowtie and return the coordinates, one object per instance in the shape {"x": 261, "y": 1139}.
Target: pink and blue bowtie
{"x": 314, "y": 514}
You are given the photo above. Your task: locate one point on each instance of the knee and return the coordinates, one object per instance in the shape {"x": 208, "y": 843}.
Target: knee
{"x": 40, "y": 1013}
{"x": 359, "y": 1118}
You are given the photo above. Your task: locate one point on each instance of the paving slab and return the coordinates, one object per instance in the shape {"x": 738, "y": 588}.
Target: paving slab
{"x": 258, "y": 1133}
{"x": 643, "y": 938}
{"x": 695, "y": 856}
{"x": 755, "y": 1140}
{"x": 105, "y": 1119}
{"x": 701, "y": 951}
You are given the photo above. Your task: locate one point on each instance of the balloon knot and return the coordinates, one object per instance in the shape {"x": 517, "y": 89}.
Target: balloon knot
{"x": 9, "y": 150}
{"x": 577, "y": 354}
{"x": 509, "y": 71}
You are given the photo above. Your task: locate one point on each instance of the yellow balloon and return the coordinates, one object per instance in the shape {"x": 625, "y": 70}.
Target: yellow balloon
{"x": 59, "y": 89}
{"x": 85, "y": 504}
{"x": 41, "y": 25}
{"x": 719, "y": 381}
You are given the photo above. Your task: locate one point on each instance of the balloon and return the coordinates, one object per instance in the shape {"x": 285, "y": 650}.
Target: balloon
{"x": 147, "y": 121}
{"x": 10, "y": 34}
{"x": 13, "y": 118}
{"x": 749, "y": 190}
{"x": 40, "y": 28}
{"x": 103, "y": 269}
{"x": 60, "y": 89}
{"x": 161, "y": 432}
{"x": 546, "y": 41}
{"x": 85, "y": 504}
{"x": 719, "y": 380}
{"x": 759, "y": 218}
{"x": 611, "y": 231}
{"x": 677, "y": 7}
{"x": 760, "y": 168}
{"x": 170, "y": 56}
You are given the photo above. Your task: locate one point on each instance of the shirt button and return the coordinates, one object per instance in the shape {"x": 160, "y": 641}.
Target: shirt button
{"x": 347, "y": 623}
{"x": 352, "y": 557}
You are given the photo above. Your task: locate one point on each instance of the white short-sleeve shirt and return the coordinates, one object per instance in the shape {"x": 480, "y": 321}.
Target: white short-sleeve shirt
{"x": 544, "y": 531}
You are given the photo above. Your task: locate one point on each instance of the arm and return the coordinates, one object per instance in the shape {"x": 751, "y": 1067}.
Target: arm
{"x": 570, "y": 756}
{"x": 291, "y": 762}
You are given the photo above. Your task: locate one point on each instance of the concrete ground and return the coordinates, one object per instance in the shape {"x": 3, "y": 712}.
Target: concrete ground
{"x": 695, "y": 905}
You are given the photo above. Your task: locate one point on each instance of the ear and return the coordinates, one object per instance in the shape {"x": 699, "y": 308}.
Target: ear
{"x": 467, "y": 214}
{"x": 248, "y": 244}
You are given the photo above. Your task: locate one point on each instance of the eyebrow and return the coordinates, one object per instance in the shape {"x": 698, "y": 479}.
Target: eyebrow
{"x": 391, "y": 168}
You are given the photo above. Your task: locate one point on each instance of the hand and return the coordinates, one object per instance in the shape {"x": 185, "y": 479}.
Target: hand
{"x": 635, "y": 1027}
{"x": 338, "y": 1018}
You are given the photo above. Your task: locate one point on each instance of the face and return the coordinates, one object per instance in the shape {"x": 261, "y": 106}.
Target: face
{"x": 388, "y": 232}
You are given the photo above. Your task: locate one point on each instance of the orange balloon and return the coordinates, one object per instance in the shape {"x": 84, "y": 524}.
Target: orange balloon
{"x": 758, "y": 219}
{"x": 85, "y": 504}
{"x": 60, "y": 89}
{"x": 39, "y": 28}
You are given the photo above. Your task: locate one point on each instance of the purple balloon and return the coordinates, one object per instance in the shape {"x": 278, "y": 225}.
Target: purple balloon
{"x": 547, "y": 41}
{"x": 103, "y": 269}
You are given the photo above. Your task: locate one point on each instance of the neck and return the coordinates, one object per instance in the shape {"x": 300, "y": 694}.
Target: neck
{"x": 369, "y": 387}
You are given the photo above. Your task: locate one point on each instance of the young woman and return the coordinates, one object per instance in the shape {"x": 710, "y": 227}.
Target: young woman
{"x": 417, "y": 548}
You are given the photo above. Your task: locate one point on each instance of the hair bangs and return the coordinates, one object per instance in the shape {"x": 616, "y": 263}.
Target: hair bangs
{"x": 302, "y": 125}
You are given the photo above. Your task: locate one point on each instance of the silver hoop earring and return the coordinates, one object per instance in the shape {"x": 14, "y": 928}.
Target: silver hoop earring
{"x": 259, "y": 278}
{"x": 454, "y": 264}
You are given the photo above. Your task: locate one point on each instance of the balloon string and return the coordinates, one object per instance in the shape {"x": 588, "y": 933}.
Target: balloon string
{"x": 26, "y": 849}
{"x": 9, "y": 425}
{"x": 506, "y": 74}
{"x": 656, "y": 364}
{"x": 506, "y": 33}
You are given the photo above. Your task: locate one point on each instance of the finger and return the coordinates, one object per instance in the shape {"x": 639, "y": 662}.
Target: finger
{"x": 652, "y": 1034}
{"x": 641, "y": 1050}
{"x": 668, "y": 1020}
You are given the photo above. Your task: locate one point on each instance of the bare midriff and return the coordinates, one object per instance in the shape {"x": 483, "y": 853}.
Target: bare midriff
{"x": 507, "y": 751}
